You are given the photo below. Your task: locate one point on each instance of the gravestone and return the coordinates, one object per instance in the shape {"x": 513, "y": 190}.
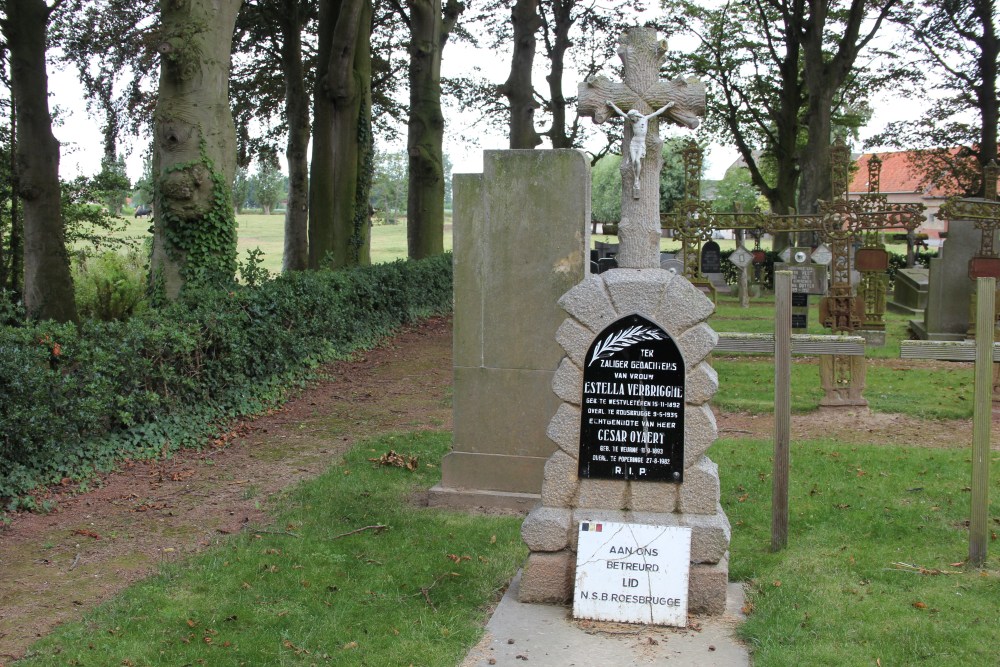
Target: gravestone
{"x": 909, "y": 296}
{"x": 949, "y": 289}
{"x": 711, "y": 267}
{"x": 807, "y": 278}
{"x": 517, "y": 249}
{"x": 711, "y": 260}
{"x": 636, "y": 342}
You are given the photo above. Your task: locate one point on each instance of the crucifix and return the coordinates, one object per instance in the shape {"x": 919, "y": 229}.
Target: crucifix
{"x": 681, "y": 101}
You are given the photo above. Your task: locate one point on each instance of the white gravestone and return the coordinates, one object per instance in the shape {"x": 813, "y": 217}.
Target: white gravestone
{"x": 632, "y": 573}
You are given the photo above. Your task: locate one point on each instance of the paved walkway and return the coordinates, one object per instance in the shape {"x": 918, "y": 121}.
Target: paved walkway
{"x": 548, "y": 635}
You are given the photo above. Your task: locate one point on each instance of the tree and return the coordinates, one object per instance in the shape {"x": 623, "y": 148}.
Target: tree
{"x": 112, "y": 183}
{"x": 735, "y": 190}
{"x": 276, "y": 79}
{"x": 518, "y": 88}
{"x": 48, "y": 285}
{"x": 593, "y": 28}
{"x": 606, "y": 182}
{"x": 430, "y": 26}
{"x": 955, "y": 43}
{"x": 194, "y": 230}
{"x": 389, "y": 185}
{"x": 269, "y": 186}
{"x": 11, "y": 230}
{"x": 340, "y": 175}
{"x": 779, "y": 72}
{"x": 110, "y": 44}
{"x": 241, "y": 189}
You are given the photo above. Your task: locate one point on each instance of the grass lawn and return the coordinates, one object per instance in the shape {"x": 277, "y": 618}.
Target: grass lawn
{"x": 872, "y": 574}
{"x": 267, "y": 232}
{"x": 308, "y": 591}
{"x": 746, "y": 382}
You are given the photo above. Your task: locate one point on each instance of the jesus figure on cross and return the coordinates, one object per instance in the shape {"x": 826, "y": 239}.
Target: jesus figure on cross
{"x": 640, "y": 126}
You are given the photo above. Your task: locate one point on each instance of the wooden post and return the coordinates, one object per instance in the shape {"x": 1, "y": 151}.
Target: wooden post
{"x": 782, "y": 407}
{"x": 981, "y": 421}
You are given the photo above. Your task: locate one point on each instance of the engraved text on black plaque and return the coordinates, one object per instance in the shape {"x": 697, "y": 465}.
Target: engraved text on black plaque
{"x": 632, "y": 424}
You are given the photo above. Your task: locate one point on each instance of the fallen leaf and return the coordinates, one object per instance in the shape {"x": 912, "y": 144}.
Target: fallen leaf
{"x": 350, "y": 645}
{"x": 190, "y": 623}
{"x": 777, "y": 583}
{"x": 86, "y": 533}
{"x": 920, "y": 605}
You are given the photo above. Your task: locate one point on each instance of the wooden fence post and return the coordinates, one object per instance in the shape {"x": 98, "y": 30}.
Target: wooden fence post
{"x": 782, "y": 407}
{"x": 981, "y": 420}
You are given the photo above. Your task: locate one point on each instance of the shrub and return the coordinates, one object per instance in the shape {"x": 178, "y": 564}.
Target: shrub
{"x": 80, "y": 398}
{"x": 110, "y": 286}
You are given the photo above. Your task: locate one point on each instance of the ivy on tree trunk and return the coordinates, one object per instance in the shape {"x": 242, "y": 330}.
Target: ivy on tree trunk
{"x": 194, "y": 161}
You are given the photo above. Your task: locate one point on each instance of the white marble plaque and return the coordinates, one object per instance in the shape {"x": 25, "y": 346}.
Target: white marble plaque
{"x": 632, "y": 573}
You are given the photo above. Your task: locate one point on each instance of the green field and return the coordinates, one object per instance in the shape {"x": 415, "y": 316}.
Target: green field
{"x": 267, "y": 232}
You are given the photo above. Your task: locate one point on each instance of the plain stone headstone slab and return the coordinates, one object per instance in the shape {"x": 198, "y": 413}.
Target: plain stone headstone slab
{"x": 517, "y": 249}
{"x": 909, "y": 296}
{"x": 949, "y": 289}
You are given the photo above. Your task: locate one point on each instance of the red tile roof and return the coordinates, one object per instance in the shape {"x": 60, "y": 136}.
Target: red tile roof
{"x": 898, "y": 176}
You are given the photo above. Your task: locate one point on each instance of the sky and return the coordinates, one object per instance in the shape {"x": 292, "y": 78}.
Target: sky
{"x": 80, "y": 133}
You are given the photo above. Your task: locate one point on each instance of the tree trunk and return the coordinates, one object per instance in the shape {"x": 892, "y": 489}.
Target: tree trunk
{"x": 340, "y": 174}
{"x": 48, "y": 285}
{"x": 986, "y": 92}
{"x": 563, "y": 21}
{"x": 194, "y": 142}
{"x": 296, "y": 252}
{"x": 815, "y": 179}
{"x": 518, "y": 89}
{"x": 429, "y": 32}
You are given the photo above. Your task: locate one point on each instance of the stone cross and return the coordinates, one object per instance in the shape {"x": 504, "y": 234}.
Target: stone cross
{"x": 681, "y": 101}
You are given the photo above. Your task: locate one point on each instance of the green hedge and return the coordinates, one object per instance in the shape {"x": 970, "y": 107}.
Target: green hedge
{"x": 80, "y": 398}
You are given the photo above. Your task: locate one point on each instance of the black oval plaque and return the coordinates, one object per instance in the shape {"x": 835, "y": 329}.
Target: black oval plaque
{"x": 632, "y": 424}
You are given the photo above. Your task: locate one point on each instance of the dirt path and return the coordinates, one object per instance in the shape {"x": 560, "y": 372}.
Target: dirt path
{"x": 58, "y": 565}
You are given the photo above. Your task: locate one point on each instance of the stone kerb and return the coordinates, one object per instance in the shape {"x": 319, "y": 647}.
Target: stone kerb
{"x": 549, "y": 531}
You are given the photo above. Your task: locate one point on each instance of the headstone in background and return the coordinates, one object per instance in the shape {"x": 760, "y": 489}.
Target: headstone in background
{"x": 517, "y": 249}
{"x": 711, "y": 259}
{"x": 949, "y": 289}
{"x": 807, "y": 278}
{"x": 711, "y": 267}
{"x": 909, "y": 296}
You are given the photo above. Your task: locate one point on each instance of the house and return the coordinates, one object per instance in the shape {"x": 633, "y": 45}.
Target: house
{"x": 902, "y": 183}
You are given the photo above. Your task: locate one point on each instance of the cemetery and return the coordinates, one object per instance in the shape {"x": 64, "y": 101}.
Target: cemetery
{"x": 700, "y": 432}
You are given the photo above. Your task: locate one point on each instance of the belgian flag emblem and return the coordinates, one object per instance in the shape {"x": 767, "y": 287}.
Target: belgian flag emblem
{"x": 587, "y": 527}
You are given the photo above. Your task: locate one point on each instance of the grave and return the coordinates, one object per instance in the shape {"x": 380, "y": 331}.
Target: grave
{"x": 634, "y": 420}
{"x": 909, "y": 296}
{"x": 517, "y": 249}
{"x": 711, "y": 267}
{"x": 809, "y": 276}
{"x": 949, "y": 290}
